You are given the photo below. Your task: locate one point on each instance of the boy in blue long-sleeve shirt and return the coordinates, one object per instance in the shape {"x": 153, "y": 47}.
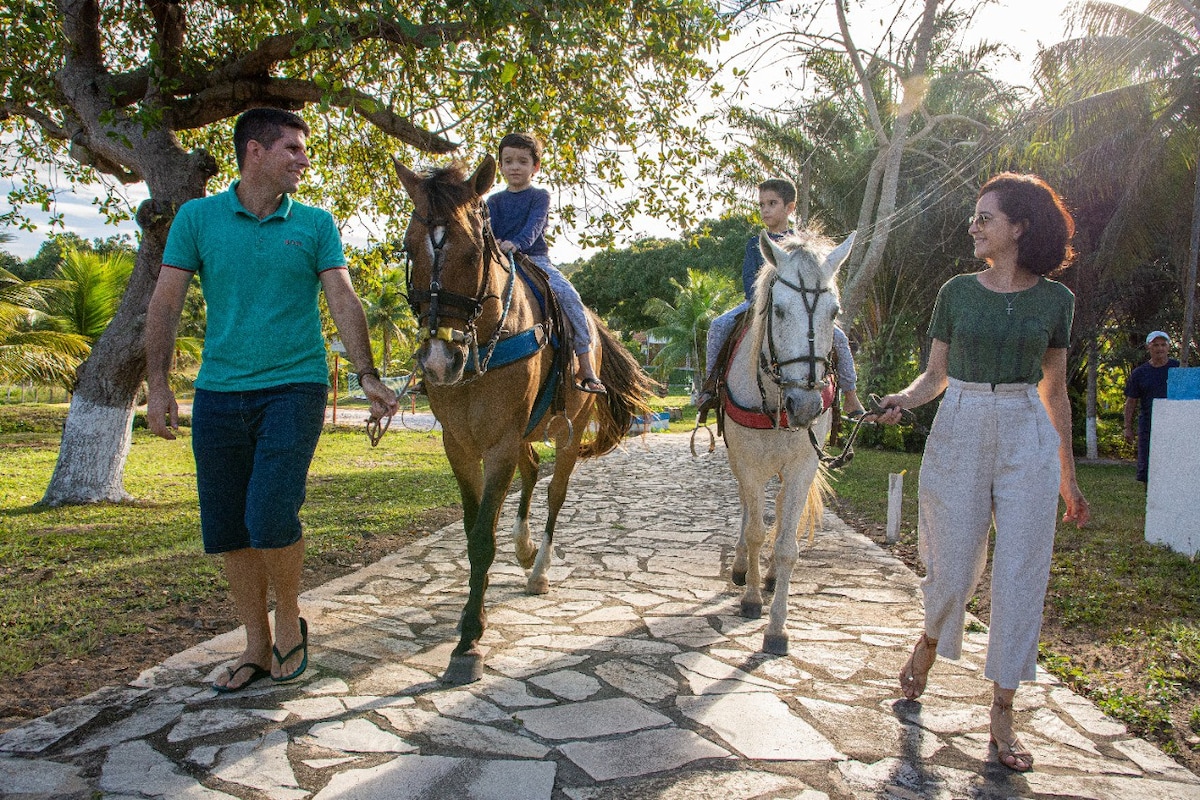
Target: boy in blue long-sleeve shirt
{"x": 776, "y": 203}
{"x": 519, "y": 216}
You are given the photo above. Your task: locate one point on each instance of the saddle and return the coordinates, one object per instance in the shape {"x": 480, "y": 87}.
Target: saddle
{"x": 721, "y": 402}
{"x": 714, "y": 382}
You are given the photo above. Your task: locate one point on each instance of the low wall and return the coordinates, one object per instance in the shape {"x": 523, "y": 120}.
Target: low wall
{"x": 1173, "y": 494}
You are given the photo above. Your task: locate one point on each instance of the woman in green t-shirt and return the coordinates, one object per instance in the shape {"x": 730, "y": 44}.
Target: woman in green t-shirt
{"x": 1000, "y": 447}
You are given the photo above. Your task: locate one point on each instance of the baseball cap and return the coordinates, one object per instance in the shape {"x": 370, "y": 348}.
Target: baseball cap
{"x": 1150, "y": 337}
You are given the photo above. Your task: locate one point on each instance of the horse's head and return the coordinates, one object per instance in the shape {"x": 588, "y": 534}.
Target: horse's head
{"x": 796, "y": 302}
{"x": 449, "y": 243}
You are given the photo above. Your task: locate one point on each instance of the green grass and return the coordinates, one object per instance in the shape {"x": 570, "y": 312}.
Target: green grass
{"x": 74, "y": 576}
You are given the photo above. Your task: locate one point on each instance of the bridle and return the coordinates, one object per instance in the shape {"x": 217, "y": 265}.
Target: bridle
{"x": 443, "y": 304}
{"x": 772, "y": 366}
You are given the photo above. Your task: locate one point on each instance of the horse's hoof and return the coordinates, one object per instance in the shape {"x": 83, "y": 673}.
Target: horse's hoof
{"x": 526, "y": 562}
{"x": 463, "y": 669}
{"x": 738, "y": 576}
{"x": 538, "y": 586}
{"x": 776, "y": 644}
{"x": 769, "y": 585}
{"x": 751, "y": 610}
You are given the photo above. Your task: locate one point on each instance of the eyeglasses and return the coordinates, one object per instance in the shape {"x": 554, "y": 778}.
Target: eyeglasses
{"x": 981, "y": 219}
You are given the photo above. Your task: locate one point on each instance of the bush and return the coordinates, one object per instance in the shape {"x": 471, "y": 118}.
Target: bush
{"x": 32, "y": 418}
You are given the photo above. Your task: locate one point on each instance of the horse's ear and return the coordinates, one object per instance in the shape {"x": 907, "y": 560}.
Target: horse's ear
{"x": 484, "y": 176}
{"x": 409, "y": 179}
{"x": 771, "y": 251}
{"x": 834, "y": 260}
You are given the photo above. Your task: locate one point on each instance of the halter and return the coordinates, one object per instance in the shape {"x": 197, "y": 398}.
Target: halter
{"x": 445, "y": 304}
{"x": 772, "y": 366}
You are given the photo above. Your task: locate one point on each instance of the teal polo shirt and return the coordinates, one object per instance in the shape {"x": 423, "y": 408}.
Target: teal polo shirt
{"x": 261, "y": 281}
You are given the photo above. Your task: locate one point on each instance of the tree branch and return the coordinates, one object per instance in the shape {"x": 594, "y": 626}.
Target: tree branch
{"x": 81, "y": 24}
{"x": 864, "y": 81}
{"x": 43, "y": 120}
{"x": 933, "y": 122}
{"x": 229, "y": 99}
{"x": 289, "y": 46}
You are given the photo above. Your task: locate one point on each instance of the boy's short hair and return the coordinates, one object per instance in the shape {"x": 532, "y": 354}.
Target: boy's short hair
{"x": 522, "y": 141}
{"x": 780, "y": 186}
{"x": 264, "y": 125}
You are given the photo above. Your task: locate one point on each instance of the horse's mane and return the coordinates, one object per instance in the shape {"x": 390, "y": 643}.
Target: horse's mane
{"x": 811, "y": 237}
{"x": 445, "y": 188}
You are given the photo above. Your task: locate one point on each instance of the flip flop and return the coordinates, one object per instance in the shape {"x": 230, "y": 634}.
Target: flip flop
{"x": 256, "y": 673}
{"x": 282, "y": 659}
{"x": 591, "y": 386}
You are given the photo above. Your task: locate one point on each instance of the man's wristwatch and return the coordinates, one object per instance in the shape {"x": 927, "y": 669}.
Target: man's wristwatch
{"x": 372, "y": 372}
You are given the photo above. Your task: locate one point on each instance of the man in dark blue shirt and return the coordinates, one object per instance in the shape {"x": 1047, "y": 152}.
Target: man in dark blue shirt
{"x": 1147, "y": 382}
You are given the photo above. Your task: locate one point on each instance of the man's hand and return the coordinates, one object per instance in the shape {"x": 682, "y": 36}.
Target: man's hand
{"x": 162, "y": 413}
{"x": 384, "y": 402}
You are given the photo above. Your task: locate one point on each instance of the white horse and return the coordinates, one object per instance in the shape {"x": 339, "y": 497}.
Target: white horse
{"x": 774, "y": 407}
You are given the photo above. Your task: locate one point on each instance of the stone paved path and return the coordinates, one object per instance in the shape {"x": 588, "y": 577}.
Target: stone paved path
{"x": 633, "y": 678}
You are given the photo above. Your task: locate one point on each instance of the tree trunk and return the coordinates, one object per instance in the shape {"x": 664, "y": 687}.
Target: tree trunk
{"x": 1093, "y": 448}
{"x": 98, "y": 431}
{"x": 1189, "y": 301}
{"x": 887, "y": 170}
{"x": 97, "y": 435}
{"x": 856, "y": 288}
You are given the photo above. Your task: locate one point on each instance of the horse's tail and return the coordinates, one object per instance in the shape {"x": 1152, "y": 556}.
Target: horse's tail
{"x": 814, "y": 507}
{"x": 628, "y": 386}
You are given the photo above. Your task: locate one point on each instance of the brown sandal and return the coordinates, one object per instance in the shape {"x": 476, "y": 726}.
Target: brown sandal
{"x": 912, "y": 681}
{"x": 1009, "y": 750}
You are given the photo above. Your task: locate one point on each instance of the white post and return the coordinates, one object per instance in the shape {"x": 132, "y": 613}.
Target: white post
{"x": 895, "y": 495}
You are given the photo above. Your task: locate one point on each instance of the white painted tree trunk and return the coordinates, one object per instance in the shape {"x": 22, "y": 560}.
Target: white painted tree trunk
{"x": 1093, "y": 443}
{"x": 91, "y": 459}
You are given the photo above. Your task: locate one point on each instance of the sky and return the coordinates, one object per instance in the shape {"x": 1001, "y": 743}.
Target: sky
{"x": 1022, "y": 24}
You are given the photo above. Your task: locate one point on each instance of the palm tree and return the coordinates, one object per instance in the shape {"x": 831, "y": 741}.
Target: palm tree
{"x": 388, "y": 316}
{"x": 1135, "y": 76}
{"x": 684, "y": 324}
{"x": 93, "y": 285}
{"x": 27, "y": 354}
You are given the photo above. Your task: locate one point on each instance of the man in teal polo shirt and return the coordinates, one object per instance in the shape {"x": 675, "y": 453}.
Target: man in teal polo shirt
{"x": 262, "y": 259}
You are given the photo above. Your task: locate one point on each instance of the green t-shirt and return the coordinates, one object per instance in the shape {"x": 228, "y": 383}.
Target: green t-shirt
{"x": 989, "y": 343}
{"x": 261, "y": 281}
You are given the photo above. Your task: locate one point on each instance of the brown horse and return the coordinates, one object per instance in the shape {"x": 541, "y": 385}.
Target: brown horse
{"x": 488, "y": 365}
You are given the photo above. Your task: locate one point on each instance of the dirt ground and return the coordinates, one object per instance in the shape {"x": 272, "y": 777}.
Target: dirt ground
{"x": 121, "y": 659}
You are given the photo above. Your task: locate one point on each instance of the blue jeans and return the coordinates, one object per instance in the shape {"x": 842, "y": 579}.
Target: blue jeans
{"x": 253, "y": 450}
{"x": 570, "y": 302}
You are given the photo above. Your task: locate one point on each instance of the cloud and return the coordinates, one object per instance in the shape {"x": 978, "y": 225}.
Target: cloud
{"x": 80, "y": 215}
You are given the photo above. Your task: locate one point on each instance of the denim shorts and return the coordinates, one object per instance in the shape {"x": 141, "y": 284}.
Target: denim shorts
{"x": 253, "y": 450}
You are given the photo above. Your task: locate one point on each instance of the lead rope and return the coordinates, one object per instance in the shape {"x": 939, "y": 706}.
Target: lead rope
{"x": 847, "y": 454}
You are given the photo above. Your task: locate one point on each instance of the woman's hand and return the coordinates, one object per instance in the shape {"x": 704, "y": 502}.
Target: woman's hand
{"x": 893, "y": 405}
{"x": 1078, "y": 510}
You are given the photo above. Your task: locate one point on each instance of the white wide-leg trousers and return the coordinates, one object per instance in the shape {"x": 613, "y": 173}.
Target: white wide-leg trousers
{"x": 991, "y": 456}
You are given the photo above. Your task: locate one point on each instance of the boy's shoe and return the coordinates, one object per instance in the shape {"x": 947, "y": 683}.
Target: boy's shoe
{"x": 704, "y": 401}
